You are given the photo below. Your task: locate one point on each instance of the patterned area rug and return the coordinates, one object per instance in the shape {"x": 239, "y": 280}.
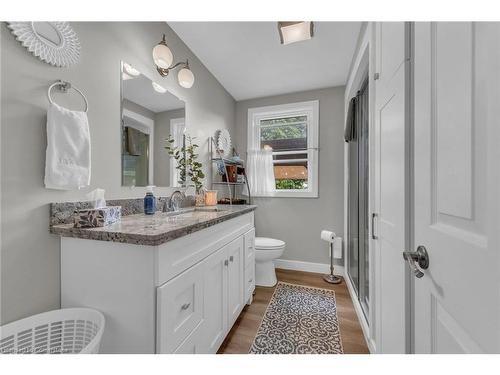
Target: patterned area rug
{"x": 299, "y": 320}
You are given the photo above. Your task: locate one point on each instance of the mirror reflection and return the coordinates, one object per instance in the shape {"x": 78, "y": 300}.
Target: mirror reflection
{"x": 150, "y": 114}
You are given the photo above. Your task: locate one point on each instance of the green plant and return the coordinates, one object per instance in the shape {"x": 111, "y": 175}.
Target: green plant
{"x": 179, "y": 154}
{"x": 194, "y": 167}
{"x": 283, "y": 132}
{"x": 290, "y": 184}
{"x": 186, "y": 161}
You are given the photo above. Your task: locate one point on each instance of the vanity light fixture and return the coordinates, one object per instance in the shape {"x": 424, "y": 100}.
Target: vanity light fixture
{"x": 158, "y": 88}
{"x": 163, "y": 59}
{"x": 295, "y": 31}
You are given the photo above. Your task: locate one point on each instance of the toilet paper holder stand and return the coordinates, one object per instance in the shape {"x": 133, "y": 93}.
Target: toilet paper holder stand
{"x": 331, "y": 278}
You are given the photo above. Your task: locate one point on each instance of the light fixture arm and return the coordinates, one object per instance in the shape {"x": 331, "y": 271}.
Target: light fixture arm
{"x": 164, "y": 72}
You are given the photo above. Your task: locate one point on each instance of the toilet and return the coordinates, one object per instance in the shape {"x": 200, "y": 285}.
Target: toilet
{"x": 266, "y": 250}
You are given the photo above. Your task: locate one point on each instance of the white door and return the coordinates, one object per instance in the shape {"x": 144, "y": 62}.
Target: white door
{"x": 390, "y": 187}
{"x": 215, "y": 300}
{"x": 235, "y": 286}
{"x": 456, "y": 184}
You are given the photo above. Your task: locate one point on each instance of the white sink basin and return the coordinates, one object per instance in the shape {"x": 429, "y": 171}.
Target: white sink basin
{"x": 193, "y": 210}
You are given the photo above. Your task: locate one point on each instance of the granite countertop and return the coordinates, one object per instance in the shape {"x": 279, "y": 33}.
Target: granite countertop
{"x": 140, "y": 229}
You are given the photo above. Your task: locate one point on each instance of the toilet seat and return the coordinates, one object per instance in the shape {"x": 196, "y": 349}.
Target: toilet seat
{"x": 265, "y": 243}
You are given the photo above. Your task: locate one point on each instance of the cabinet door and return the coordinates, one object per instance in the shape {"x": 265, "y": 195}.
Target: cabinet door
{"x": 249, "y": 283}
{"x": 235, "y": 288}
{"x": 179, "y": 308}
{"x": 215, "y": 300}
{"x": 249, "y": 280}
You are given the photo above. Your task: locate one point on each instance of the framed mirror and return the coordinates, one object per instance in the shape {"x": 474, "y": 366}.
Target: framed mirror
{"x": 149, "y": 115}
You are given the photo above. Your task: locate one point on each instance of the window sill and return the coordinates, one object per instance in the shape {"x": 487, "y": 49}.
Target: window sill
{"x": 289, "y": 194}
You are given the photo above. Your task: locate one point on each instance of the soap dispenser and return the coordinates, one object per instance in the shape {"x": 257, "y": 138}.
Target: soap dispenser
{"x": 149, "y": 201}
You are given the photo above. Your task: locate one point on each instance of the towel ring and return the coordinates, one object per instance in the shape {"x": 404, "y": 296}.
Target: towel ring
{"x": 64, "y": 87}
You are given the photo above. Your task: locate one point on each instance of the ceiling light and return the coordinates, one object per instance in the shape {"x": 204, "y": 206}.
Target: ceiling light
{"x": 296, "y": 31}
{"x": 163, "y": 59}
{"x": 131, "y": 71}
{"x": 158, "y": 88}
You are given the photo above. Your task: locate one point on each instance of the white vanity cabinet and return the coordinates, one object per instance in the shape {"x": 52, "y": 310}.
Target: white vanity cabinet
{"x": 207, "y": 297}
{"x": 182, "y": 296}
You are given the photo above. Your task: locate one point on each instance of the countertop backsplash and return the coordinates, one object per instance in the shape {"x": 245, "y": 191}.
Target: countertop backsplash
{"x": 62, "y": 213}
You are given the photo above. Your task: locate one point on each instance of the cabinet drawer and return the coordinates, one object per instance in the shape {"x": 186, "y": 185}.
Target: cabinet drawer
{"x": 180, "y": 308}
{"x": 178, "y": 255}
{"x": 249, "y": 281}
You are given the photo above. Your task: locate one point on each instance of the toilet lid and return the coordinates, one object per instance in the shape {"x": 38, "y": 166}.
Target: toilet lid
{"x": 268, "y": 243}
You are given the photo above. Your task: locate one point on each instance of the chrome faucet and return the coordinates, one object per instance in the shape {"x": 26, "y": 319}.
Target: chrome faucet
{"x": 173, "y": 204}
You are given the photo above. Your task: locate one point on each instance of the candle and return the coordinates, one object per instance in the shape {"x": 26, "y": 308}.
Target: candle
{"x": 211, "y": 197}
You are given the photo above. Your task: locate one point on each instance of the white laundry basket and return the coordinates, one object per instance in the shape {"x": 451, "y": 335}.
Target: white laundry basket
{"x": 65, "y": 331}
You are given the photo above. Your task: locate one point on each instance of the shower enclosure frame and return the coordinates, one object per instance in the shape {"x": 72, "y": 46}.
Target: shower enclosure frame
{"x": 364, "y": 66}
{"x": 358, "y": 204}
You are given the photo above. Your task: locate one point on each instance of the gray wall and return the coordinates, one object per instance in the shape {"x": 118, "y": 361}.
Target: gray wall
{"x": 298, "y": 221}
{"x": 139, "y": 109}
{"x": 161, "y": 158}
{"x": 30, "y": 268}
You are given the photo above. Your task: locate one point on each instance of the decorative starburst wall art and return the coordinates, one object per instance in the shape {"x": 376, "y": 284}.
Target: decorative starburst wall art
{"x": 223, "y": 139}
{"x": 55, "y": 43}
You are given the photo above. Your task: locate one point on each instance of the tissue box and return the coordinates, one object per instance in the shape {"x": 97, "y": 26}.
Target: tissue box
{"x": 97, "y": 217}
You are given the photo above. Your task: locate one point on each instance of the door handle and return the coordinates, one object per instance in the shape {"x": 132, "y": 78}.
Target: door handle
{"x": 374, "y": 215}
{"x": 226, "y": 262}
{"x": 231, "y": 258}
{"x": 420, "y": 257}
{"x": 185, "y": 306}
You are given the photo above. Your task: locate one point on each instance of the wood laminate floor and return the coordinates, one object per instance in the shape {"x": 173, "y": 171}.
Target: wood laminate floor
{"x": 241, "y": 336}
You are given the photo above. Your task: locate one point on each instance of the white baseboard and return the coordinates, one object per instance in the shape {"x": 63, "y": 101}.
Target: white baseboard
{"x": 297, "y": 265}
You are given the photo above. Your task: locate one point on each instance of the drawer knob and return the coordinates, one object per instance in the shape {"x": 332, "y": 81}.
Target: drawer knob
{"x": 231, "y": 258}
{"x": 185, "y": 306}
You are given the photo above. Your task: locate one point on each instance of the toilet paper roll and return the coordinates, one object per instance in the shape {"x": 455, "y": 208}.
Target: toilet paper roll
{"x": 328, "y": 236}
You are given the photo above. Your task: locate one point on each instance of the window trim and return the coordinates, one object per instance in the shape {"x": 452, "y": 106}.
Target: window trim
{"x": 311, "y": 110}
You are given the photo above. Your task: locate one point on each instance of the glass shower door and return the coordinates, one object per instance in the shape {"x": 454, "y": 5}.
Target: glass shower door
{"x": 353, "y": 214}
{"x": 358, "y": 212}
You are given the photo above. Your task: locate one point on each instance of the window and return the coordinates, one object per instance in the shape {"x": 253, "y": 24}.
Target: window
{"x": 291, "y": 130}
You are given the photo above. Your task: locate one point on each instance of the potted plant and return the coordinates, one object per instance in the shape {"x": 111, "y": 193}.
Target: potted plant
{"x": 179, "y": 154}
{"x": 188, "y": 164}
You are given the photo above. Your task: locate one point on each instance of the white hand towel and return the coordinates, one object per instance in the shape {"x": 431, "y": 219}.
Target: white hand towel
{"x": 67, "y": 162}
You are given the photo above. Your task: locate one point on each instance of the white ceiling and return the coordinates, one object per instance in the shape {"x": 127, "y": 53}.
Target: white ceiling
{"x": 249, "y": 61}
{"x": 140, "y": 91}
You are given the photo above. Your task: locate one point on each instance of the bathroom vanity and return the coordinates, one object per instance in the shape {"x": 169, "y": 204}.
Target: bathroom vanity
{"x": 170, "y": 283}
